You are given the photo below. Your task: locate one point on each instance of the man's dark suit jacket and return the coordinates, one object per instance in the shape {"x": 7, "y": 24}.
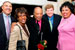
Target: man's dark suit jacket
{"x": 3, "y": 38}
{"x": 52, "y": 37}
{"x": 34, "y": 36}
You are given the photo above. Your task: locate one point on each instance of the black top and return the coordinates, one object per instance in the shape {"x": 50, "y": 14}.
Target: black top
{"x": 35, "y": 35}
{"x": 52, "y": 37}
{"x": 3, "y": 38}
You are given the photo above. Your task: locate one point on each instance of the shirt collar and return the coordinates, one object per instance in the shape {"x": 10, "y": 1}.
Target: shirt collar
{"x": 6, "y": 15}
{"x": 38, "y": 21}
{"x": 51, "y": 17}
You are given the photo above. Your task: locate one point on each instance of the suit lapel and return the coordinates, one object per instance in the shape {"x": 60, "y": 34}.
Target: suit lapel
{"x": 48, "y": 22}
{"x": 42, "y": 23}
{"x": 22, "y": 30}
{"x": 11, "y": 19}
{"x": 54, "y": 22}
{"x": 35, "y": 25}
{"x": 2, "y": 25}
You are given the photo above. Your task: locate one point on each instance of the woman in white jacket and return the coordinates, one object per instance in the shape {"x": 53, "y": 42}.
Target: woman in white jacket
{"x": 21, "y": 14}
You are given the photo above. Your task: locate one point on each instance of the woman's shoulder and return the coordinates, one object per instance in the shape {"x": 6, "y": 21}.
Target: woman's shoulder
{"x": 16, "y": 27}
{"x": 73, "y": 17}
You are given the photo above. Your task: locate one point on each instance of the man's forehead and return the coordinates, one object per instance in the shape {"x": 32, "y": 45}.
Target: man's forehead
{"x": 7, "y": 2}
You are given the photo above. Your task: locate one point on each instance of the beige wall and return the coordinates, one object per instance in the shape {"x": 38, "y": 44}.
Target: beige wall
{"x": 60, "y": 2}
{"x": 39, "y": 2}
{"x": 29, "y": 2}
{"x": 55, "y": 4}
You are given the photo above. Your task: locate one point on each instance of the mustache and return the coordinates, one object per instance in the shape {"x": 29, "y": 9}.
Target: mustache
{"x": 8, "y": 9}
{"x": 39, "y": 17}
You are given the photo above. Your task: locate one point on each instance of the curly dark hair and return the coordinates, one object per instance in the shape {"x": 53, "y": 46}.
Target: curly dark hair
{"x": 21, "y": 10}
{"x": 69, "y": 5}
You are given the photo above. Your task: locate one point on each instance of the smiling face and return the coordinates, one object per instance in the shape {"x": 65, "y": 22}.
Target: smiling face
{"x": 7, "y": 8}
{"x": 22, "y": 18}
{"x": 66, "y": 12}
{"x": 38, "y": 13}
{"x": 50, "y": 12}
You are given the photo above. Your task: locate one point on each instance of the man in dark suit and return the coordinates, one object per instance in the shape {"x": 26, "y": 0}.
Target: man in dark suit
{"x": 5, "y": 24}
{"x": 36, "y": 33}
{"x": 53, "y": 21}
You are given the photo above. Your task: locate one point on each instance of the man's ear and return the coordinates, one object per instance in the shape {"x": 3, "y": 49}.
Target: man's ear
{"x": 2, "y": 7}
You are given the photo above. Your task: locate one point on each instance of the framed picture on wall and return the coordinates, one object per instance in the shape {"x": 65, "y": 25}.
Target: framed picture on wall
{"x": 52, "y": 0}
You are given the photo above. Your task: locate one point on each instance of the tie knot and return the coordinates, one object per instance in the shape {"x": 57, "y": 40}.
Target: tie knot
{"x": 49, "y": 18}
{"x": 7, "y": 16}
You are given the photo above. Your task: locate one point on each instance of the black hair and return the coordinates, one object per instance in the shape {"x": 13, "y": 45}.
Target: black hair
{"x": 69, "y": 5}
{"x": 21, "y": 10}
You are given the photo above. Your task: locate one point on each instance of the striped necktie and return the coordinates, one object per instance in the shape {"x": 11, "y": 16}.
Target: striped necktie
{"x": 50, "y": 24}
